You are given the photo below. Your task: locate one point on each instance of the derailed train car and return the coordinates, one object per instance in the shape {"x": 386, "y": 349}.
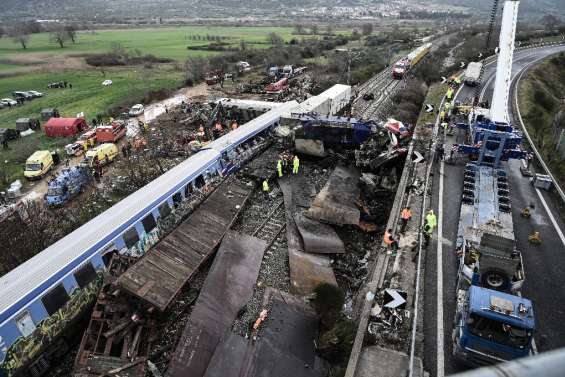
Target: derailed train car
{"x": 44, "y": 298}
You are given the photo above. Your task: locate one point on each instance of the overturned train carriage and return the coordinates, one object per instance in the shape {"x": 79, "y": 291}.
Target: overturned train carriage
{"x": 44, "y": 297}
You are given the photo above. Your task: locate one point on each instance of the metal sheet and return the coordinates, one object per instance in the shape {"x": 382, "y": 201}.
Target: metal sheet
{"x": 286, "y": 347}
{"x": 162, "y": 272}
{"x": 306, "y": 270}
{"x": 318, "y": 238}
{"x": 228, "y": 287}
{"x": 335, "y": 204}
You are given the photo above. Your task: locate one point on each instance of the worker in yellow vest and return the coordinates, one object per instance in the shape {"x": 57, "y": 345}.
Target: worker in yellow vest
{"x": 279, "y": 168}
{"x": 449, "y": 94}
{"x": 266, "y": 188}
{"x": 431, "y": 219}
{"x": 295, "y": 164}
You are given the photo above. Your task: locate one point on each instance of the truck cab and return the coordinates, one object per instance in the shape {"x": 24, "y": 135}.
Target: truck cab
{"x": 491, "y": 327}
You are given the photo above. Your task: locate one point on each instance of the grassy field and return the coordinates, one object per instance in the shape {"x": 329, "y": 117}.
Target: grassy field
{"x": 167, "y": 42}
{"x": 88, "y": 96}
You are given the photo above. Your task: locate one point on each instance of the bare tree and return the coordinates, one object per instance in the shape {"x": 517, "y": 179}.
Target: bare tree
{"x": 71, "y": 31}
{"x": 298, "y": 29}
{"x": 20, "y": 34}
{"x": 367, "y": 29}
{"x": 275, "y": 39}
{"x": 314, "y": 29}
{"x": 59, "y": 35}
{"x": 550, "y": 21}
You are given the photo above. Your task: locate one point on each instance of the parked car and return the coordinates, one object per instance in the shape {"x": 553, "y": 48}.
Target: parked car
{"x": 9, "y": 102}
{"x": 107, "y": 82}
{"x": 23, "y": 124}
{"x": 49, "y": 113}
{"x": 24, "y": 95}
{"x": 55, "y": 85}
{"x": 136, "y": 110}
{"x": 8, "y": 134}
{"x": 34, "y": 93}
{"x": 2, "y": 105}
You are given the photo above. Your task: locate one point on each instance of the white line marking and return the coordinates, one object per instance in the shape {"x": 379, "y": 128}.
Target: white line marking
{"x": 440, "y": 334}
{"x": 555, "y": 225}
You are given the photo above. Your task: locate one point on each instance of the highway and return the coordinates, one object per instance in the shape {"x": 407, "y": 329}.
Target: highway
{"x": 544, "y": 264}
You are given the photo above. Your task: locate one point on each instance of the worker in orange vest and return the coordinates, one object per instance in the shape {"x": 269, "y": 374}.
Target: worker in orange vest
{"x": 405, "y": 216}
{"x": 389, "y": 240}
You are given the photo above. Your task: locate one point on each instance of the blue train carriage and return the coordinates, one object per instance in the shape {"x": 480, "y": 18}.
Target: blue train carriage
{"x": 43, "y": 298}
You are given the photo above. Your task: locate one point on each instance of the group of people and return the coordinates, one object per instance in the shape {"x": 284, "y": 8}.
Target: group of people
{"x": 430, "y": 223}
{"x": 287, "y": 163}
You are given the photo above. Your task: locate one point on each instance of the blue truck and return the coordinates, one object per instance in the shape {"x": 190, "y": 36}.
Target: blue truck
{"x": 492, "y": 326}
{"x": 67, "y": 184}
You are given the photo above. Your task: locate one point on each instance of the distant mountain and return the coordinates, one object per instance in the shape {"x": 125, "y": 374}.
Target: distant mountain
{"x": 527, "y": 7}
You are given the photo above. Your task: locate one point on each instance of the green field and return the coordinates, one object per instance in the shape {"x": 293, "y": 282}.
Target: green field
{"x": 167, "y": 42}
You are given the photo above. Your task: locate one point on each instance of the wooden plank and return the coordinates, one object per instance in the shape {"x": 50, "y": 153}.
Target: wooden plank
{"x": 162, "y": 272}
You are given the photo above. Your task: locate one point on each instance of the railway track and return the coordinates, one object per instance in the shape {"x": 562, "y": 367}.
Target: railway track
{"x": 384, "y": 88}
{"x": 273, "y": 224}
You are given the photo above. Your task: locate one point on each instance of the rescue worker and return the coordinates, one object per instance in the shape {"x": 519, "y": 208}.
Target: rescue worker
{"x": 526, "y": 213}
{"x": 390, "y": 241}
{"x": 266, "y": 188}
{"x": 431, "y": 219}
{"x": 428, "y": 230}
{"x": 534, "y": 238}
{"x": 457, "y": 80}
{"x": 405, "y": 216}
{"x": 279, "y": 168}
{"x": 218, "y": 130}
{"x": 445, "y": 126}
{"x": 449, "y": 94}
{"x": 439, "y": 152}
{"x": 442, "y": 115}
{"x": 201, "y": 132}
{"x": 295, "y": 164}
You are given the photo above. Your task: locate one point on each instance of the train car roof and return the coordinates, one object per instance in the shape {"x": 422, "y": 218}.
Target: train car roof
{"x": 251, "y": 128}
{"x": 31, "y": 278}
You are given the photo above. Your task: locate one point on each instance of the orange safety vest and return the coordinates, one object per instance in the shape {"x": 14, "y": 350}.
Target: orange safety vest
{"x": 406, "y": 214}
{"x": 388, "y": 238}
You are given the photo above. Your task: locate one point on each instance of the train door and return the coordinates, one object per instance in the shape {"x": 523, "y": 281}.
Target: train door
{"x": 25, "y": 324}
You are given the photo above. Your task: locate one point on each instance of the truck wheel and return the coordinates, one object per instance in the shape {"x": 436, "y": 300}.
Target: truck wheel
{"x": 495, "y": 279}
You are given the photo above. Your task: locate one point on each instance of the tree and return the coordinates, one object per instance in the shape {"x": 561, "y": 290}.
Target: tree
{"x": 355, "y": 35}
{"x": 59, "y": 35}
{"x": 275, "y": 39}
{"x": 20, "y": 33}
{"x": 2, "y": 31}
{"x": 367, "y": 29}
{"x": 314, "y": 29}
{"x": 550, "y": 21}
{"x": 71, "y": 31}
{"x": 329, "y": 29}
{"x": 298, "y": 29}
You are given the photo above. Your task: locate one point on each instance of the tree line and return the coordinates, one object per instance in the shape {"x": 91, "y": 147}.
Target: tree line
{"x": 21, "y": 31}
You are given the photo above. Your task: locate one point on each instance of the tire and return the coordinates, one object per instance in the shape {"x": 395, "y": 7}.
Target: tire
{"x": 495, "y": 279}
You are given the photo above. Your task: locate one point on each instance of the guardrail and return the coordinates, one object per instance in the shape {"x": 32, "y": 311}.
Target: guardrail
{"x": 518, "y": 117}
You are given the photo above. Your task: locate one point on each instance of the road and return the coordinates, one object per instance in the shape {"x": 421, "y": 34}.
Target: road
{"x": 543, "y": 264}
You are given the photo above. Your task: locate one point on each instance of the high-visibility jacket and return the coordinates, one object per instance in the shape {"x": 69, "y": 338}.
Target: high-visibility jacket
{"x": 406, "y": 214}
{"x": 279, "y": 167}
{"x": 449, "y": 93}
{"x": 295, "y": 162}
{"x": 442, "y": 114}
{"x": 431, "y": 220}
{"x": 428, "y": 229}
{"x": 265, "y": 186}
{"x": 388, "y": 238}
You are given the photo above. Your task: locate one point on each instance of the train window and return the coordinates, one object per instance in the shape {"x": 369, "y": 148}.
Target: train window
{"x": 85, "y": 275}
{"x": 55, "y": 299}
{"x": 177, "y": 198}
{"x": 199, "y": 182}
{"x": 131, "y": 237}
{"x": 188, "y": 190}
{"x": 164, "y": 210}
{"x": 25, "y": 323}
{"x": 149, "y": 223}
{"x": 107, "y": 256}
